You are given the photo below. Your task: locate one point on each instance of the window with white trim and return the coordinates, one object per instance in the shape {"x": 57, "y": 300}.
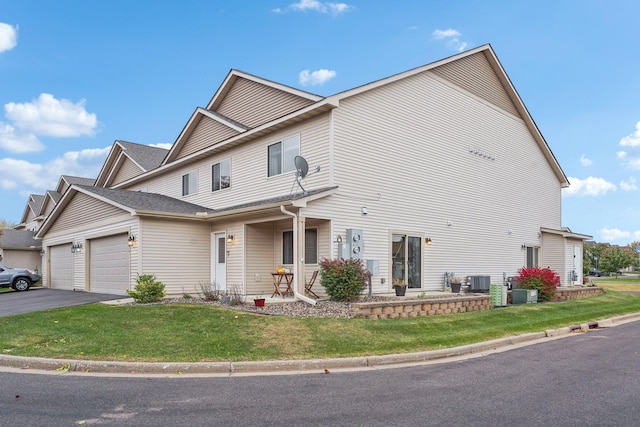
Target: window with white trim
{"x": 281, "y": 154}
{"x": 221, "y": 175}
{"x": 310, "y": 246}
{"x": 532, "y": 256}
{"x": 190, "y": 183}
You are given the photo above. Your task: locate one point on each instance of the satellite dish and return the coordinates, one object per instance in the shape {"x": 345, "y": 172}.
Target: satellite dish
{"x": 302, "y": 167}
{"x": 302, "y": 171}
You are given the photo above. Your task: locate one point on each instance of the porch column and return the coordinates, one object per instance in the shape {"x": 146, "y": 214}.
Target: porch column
{"x": 300, "y": 275}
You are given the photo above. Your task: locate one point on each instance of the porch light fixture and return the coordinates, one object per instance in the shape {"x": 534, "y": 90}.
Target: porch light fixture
{"x": 42, "y": 252}
{"x": 76, "y": 248}
{"x": 523, "y": 247}
{"x": 230, "y": 238}
{"x": 131, "y": 240}
{"x": 427, "y": 241}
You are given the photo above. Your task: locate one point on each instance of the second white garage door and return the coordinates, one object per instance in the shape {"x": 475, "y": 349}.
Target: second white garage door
{"x": 109, "y": 265}
{"x": 61, "y": 264}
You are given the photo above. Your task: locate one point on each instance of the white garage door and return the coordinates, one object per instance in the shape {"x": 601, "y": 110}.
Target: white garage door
{"x": 61, "y": 265}
{"x": 109, "y": 265}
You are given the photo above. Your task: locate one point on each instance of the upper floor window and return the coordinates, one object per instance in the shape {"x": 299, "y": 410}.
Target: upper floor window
{"x": 281, "y": 155}
{"x": 190, "y": 183}
{"x": 221, "y": 175}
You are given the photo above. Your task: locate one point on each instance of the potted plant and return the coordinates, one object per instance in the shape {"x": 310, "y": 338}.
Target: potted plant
{"x": 259, "y": 301}
{"x": 400, "y": 288}
{"x": 456, "y": 284}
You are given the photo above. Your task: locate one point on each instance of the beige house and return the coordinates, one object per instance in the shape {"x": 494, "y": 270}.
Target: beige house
{"x": 20, "y": 249}
{"x": 435, "y": 170}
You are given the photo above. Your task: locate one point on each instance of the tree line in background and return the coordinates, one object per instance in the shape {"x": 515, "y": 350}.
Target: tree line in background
{"x": 610, "y": 258}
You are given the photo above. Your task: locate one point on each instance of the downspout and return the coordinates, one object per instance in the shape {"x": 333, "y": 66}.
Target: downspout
{"x": 296, "y": 294}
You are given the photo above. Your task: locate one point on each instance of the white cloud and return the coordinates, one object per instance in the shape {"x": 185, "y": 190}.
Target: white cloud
{"x": 165, "y": 145}
{"x": 632, "y": 140}
{"x": 18, "y": 142}
{"x": 613, "y": 234}
{"x": 628, "y": 185}
{"x": 37, "y": 178}
{"x": 317, "y": 6}
{"x": 8, "y": 37}
{"x": 315, "y": 78}
{"x": 48, "y": 116}
{"x": 452, "y": 38}
{"x": 584, "y": 161}
{"x": 634, "y": 163}
{"x": 442, "y": 34}
{"x": 591, "y": 186}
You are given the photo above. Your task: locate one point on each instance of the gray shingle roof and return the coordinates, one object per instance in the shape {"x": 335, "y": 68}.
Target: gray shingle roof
{"x": 18, "y": 239}
{"x": 35, "y": 203}
{"x": 279, "y": 199}
{"x": 141, "y": 201}
{"x": 153, "y": 202}
{"x": 78, "y": 180}
{"x": 55, "y": 196}
{"x": 146, "y": 156}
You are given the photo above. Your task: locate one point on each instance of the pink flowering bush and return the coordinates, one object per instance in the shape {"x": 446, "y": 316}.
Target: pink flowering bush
{"x": 544, "y": 280}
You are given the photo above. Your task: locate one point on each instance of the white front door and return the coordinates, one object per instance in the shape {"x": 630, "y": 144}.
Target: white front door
{"x": 577, "y": 264}
{"x": 219, "y": 261}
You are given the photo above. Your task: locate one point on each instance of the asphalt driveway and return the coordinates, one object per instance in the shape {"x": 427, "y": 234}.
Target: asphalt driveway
{"x": 39, "y": 299}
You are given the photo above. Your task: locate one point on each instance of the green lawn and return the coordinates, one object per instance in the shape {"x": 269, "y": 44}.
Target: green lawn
{"x": 621, "y": 283}
{"x": 189, "y": 333}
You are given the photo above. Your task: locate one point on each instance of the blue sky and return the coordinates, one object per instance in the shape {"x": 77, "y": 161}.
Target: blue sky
{"x": 76, "y": 75}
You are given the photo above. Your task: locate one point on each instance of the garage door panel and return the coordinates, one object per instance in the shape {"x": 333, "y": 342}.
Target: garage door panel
{"x": 61, "y": 267}
{"x": 109, "y": 265}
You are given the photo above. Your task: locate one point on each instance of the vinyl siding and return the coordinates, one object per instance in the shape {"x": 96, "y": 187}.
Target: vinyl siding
{"x": 249, "y": 181}
{"x": 403, "y": 151}
{"x": 260, "y": 264}
{"x": 252, "y": 103}
{"x": 22, "y": 259}
{"x": 474, "y": 74}
{"x": 48, "y": 206}
{"x": 207, "y": 132}
{"x": 81, "y": 211}
{"x": 126, "y": 170}
{"x": 177, "y": 252}
{"x": 553, "y": 255}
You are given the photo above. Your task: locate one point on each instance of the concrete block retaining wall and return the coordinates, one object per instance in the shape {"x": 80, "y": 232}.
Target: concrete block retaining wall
{"x": 451, "y": 304}
{"x": 566, "y": 294}
{"x": 420, "y": 307}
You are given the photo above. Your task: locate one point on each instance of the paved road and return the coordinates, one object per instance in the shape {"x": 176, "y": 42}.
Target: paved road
{"x": 588, "y": 379}
{"x": 38, "y": 299}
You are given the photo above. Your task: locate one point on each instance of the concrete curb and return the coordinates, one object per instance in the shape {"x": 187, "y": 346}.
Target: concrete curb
{"x": 292, "y": 366}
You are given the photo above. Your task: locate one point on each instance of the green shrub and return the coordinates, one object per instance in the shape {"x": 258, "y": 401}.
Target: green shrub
{"x": 148, "y": 289}
{"x": 344, "y": 279}
{"x": 544, "y": 280}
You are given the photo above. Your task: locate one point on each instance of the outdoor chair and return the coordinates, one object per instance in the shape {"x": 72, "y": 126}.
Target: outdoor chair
{"x": 308, "y": 285}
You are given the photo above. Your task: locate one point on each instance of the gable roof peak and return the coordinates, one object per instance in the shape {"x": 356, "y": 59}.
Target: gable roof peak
{"x": 235, "y": 74}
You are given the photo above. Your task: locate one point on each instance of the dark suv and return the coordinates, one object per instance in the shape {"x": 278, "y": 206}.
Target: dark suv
{"x": 19, "y": 279}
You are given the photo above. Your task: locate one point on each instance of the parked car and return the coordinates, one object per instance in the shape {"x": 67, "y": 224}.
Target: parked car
{"x": 595, "y": 272}
{"x": 19, "y": 279}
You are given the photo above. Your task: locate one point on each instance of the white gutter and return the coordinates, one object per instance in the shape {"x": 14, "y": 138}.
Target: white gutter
{"x": 296, "y": 294}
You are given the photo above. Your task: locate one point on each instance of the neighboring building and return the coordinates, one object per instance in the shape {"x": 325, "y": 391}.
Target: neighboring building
{"x": 445, "y": 154}
{"x": 19, "y": 248}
